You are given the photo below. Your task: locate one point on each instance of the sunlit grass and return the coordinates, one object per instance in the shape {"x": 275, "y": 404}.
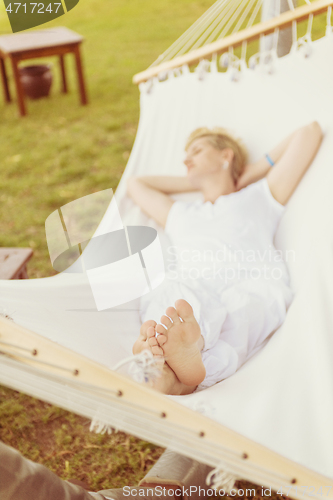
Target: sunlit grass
{"x": 62, "y": 442}
{"x": 61, "y": 150}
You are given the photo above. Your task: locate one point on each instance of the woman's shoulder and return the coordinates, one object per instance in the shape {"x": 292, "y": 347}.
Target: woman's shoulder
{"x": 254, "y": 187}
{"x": 258, "y": 193}
{"x": 246, "y": 193}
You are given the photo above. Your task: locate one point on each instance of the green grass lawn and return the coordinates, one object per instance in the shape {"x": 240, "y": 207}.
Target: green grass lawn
{"x": 62, "y": 442}
{"x": 60, "y": 152}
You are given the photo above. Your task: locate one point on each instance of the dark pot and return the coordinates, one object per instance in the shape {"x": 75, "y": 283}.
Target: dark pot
{"x": 36, "y": 80}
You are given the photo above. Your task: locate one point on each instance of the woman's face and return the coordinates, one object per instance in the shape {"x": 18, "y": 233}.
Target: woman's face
{"x": 202, "y": 158}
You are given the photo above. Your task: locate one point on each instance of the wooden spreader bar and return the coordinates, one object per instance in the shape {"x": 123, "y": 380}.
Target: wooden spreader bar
{"x": 166, "y": 422}
{"x": 236, "y": 39}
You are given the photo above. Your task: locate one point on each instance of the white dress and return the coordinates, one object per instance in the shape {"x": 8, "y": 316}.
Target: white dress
{"x": 223, "y": 262}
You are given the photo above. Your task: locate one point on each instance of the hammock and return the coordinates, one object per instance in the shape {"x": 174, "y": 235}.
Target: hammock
{"x": 270, "y": 422}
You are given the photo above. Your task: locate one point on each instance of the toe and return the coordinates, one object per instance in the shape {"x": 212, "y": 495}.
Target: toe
{"x": 146, "y": 325}
{"x": 161, "y": 340}
{"x": 160, "y": 361}
{"x": 151, "y": 332}
{"x": 184, "y": 310}
{"x": 152, "y": 341}
{"x": 160, "y": 329}
{"x": 166, "y": 321}
{"x": 172, "y": 313}
{"x": 157, "y": 351}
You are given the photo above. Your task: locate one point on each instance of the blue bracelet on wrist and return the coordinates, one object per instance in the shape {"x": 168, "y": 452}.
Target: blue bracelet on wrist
{"x": 269, "y": 159}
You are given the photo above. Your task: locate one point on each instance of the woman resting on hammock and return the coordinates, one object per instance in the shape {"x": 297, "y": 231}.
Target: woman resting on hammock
{"x": 230, "y": 288}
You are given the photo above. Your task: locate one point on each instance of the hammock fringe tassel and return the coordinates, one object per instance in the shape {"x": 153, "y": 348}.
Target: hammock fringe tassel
{"x": 101, "y": 427}
{"x": 143, "y": 367}
{"x": 222, "y": 479}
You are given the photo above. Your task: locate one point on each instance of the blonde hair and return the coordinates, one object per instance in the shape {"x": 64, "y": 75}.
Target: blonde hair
{"x": 219, "y": 138}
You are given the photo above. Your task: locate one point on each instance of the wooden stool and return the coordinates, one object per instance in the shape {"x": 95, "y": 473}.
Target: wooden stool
{"x": 13, "y": 263}
{"x": 41, "y": 43}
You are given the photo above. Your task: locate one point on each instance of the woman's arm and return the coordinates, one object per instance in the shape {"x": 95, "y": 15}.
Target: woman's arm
{"x": 151, "y": 193}
{"x": 292, "y": 157}
{"x": 255, "y": 171}
{"x": 286, "y": 174}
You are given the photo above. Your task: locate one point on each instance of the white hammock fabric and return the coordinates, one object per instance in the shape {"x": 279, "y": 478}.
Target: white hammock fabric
{"x": 282, "y": 397}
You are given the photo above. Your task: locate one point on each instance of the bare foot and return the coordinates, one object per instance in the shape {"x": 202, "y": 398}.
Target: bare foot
{"x": 182, "y": 343}
{"x": 167, "y": 383}
{"x": 147, "y": 339}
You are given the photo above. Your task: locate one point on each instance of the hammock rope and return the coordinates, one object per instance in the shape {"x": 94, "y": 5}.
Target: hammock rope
{"x": 201, "y": 24}
{"x": 223, "y": 18}
{"x": 244, "y": 15}
{"x": 223, "y": 22}
{"x": 219, "y": 23}
{"x": 227, "y": 19}
{"x": 264, "y": 58}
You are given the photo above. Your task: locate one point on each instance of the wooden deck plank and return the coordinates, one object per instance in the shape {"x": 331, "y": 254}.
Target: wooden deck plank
{"x": 13, "y": 262}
